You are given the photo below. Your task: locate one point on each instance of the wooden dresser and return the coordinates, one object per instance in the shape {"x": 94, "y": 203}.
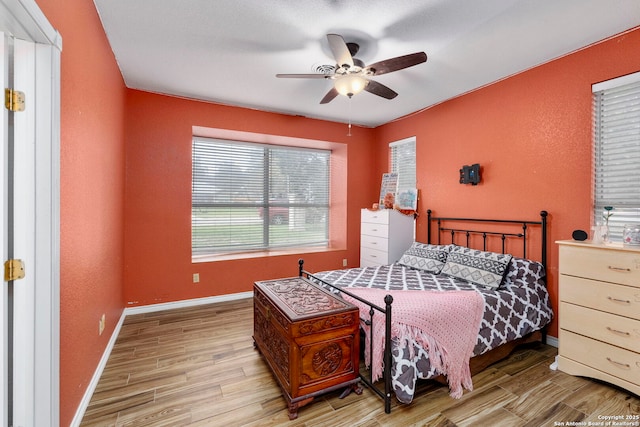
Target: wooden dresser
{"x": 308, "y": 337}
{"x": 599, "y": 293}
{"x": 384, "y": 236}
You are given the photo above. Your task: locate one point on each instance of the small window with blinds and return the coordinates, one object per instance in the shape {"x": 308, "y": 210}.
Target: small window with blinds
{"x": 403, "y": 162}
{"x": 616, "y": 107}
{"x": 256, "y": 197}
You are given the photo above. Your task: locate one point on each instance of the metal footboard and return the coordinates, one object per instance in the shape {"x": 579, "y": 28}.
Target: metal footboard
{"x": 386, "y": 311}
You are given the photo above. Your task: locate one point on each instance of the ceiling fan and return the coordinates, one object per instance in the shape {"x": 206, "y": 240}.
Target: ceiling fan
{"x": 351, "y": 76}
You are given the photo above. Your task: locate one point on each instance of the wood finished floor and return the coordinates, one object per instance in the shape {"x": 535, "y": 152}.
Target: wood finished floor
{"x": 198, "y": 367}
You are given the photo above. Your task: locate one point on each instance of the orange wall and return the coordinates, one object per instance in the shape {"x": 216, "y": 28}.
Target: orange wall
{"x": 92, "y": 189}
{"x": 530, "y": 133}
{"x": 158, "y": 265}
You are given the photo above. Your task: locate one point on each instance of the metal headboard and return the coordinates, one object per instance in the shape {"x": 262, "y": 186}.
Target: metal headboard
{"x": 446, "y": 226}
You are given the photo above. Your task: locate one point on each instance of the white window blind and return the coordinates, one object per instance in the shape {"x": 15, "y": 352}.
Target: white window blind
{"x": 248, "y": 196}
{"x": 616, "y": 107}
{"x": 403, "y": 162}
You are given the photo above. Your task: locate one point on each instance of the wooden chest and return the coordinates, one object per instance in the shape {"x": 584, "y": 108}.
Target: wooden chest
{"x": 308, "y": 337}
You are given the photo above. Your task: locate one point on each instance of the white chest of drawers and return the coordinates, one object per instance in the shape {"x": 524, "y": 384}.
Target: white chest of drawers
{"x": 599, "y": 316}
{"x": 384, "y": 236}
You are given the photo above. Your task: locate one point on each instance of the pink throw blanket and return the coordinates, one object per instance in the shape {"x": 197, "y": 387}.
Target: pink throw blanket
{"x": 445, "y": 323}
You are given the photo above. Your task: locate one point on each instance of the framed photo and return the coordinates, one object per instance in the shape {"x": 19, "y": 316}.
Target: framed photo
{"x": 389, "y": 185}
{"x": 407, "y": 199}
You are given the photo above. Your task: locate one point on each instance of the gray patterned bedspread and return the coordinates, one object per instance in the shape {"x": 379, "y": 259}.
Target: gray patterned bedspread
{"x": 519, "y": 306}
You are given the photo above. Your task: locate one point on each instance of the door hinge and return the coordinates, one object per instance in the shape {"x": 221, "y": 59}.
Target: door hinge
{"x": 13, "y": 270}
{"x": 13, "y": 100}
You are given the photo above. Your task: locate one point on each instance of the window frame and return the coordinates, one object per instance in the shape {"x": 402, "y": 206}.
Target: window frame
{"x": 404, "y": 182}
{"x": 333, "y": 233}
{"x": 626, "y": 209}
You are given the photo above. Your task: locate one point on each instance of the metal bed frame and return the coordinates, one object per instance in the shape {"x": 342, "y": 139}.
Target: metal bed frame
{"x": 444, "y": 226}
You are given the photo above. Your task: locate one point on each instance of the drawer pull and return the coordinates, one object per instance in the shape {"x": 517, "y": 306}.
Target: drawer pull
{"x": 624, "y": 301}
{"x": 374, "y": 229}
{"x": 625, "y": 270}
{"x": 619, "y": 364}
{"x": 616, "y": 331}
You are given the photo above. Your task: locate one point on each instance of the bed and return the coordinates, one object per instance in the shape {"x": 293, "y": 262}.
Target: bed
{"x": 449, "y": 307}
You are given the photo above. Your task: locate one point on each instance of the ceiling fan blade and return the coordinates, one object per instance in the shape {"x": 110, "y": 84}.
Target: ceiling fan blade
{"x": 379, "y": 89}
{"x": 305, "y": 76}
{"x": 329, "y": 96}
{"x": 397, "y": 63}
{"x": 340, "y": 50}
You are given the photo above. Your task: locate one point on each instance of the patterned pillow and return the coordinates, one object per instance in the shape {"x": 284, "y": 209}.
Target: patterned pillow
{"x": 475, "y": 266}
{"x": 524, "y": 273}
{"x": 429, "y": 258}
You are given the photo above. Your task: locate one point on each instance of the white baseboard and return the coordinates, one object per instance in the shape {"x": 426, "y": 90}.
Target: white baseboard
{"x": 186, "y": 303}
{"x": 552, "y": 341}
{"x": 84, "y": 403}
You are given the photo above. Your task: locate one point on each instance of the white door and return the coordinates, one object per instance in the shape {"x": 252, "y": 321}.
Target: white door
{"x": 18, "y": 232}
{"x": 21, "y": 231}
{"x": 4, "y": 292}
{"x": 29, "y": 187}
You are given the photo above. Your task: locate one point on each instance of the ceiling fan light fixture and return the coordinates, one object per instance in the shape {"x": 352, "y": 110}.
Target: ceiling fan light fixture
{"x": 350, "y": 84}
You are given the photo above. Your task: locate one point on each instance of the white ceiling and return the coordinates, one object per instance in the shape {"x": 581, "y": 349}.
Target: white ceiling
{"x": 229, "y": 51}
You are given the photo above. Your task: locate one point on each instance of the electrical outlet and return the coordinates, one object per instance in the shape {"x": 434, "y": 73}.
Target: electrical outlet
{"x": 344, "y": 262}
{"x": 196, "y": 277}
{"x": 102, "y": 324}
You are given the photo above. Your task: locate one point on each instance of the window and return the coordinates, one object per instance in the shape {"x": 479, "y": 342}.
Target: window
{"x": 249, "y": 196}
{"x": 616, "y": 106}
{"x": 403, "y": 162}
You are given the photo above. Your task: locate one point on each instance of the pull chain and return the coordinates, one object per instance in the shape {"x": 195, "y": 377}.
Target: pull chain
{"x": 349, "y": 132}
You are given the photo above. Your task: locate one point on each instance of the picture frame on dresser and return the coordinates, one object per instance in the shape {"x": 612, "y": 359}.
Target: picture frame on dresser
{"x": 407, "y": 199}
{"x": 388, "y": 185}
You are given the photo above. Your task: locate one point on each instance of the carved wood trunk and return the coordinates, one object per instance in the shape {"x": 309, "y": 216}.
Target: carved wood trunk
{"x": 308, "y": 337}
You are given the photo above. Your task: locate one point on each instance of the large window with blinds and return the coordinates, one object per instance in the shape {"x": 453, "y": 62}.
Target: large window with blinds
{"x": 616, "y": 106}
{"x": 257, "y": 197}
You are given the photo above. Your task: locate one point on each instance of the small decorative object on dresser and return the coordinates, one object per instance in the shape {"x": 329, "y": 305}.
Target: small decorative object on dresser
{"x": 384, "y": 236}
{"x": 599, "y": 291}
{"x": 631, "y": 235}
{"x": 580, "y": 235}
{"x": 309, "y": 337}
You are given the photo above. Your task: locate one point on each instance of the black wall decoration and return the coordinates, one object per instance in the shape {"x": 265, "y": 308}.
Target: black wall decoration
{"x": 470, "y": 174}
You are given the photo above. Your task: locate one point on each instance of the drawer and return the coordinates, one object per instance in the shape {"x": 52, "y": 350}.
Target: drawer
{"x": 620, "y": 331}
{"x": 374, "y": 242}
{"x": 377, "y": 217}
{"x": 369, "y": 257}
{"x": 617, "y": 299}
{"x": 620, "y": 363}
{"x": 374, "y": 229}
{"x": 607, "y": 264}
